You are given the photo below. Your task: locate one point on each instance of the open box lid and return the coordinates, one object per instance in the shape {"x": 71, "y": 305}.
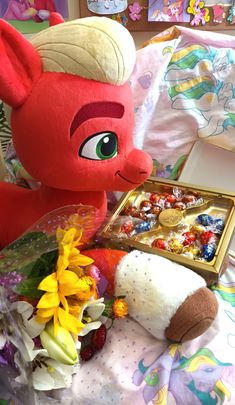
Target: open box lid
{"x": 211, "y": 166}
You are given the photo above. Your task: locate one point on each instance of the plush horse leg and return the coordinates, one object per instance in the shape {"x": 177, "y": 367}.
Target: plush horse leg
{"x": 169, "y": 300}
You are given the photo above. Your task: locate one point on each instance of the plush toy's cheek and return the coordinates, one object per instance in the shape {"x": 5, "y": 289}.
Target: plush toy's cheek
{"x": 121, "y": 172}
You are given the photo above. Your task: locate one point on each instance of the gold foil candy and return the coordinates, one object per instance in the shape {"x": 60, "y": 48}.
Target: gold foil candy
{"x": 193, "y": 249}
{"x": 170, "y": 217}
{"x": 197, "y": 229}
{"x": 175, "y": 246}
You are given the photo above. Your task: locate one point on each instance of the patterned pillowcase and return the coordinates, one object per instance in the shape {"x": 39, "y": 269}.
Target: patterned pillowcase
{"x": 5, "y": 131}
{"x": 10, "y": 167}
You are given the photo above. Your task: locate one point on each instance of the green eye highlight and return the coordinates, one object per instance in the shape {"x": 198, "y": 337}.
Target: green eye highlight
{"x": 100, "y": 146}
{"x": 107, "y": 147}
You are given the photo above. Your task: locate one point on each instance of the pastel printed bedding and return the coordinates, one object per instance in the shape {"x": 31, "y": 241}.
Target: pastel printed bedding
{"x": 183, "y": 89}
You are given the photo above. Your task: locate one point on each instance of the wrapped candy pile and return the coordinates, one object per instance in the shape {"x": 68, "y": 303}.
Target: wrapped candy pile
{"x": 168, "y": 221}
{"x": 198, "y": 240}
{"x": 144, "y": 215}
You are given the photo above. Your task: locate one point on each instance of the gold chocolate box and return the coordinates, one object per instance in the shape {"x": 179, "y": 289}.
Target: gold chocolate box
{"x": 188, "y": 224}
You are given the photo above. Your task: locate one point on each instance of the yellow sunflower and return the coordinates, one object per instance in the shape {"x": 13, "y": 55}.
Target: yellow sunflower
{"x": 68, "y": 280}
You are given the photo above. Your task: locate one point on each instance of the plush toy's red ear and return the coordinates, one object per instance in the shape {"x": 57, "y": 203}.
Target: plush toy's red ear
{"x": 20, "y": 66}
{"x": 55, "y": 18}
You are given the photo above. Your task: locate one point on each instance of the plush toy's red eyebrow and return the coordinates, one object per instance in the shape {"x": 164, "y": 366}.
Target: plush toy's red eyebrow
{"x": 97, "y": 110}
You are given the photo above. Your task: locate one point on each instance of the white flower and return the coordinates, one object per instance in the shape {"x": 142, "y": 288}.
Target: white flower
{"x": 28, "y": 328}
{"x": 53, "y": 375}
{"x": 94, "y": 309}
{"x": 48, "y": 374}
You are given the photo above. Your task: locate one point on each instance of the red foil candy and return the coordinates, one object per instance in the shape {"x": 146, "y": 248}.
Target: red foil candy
{"x": 207, "y": 237}
{"x": 154, "y": 198}
{"x": 145, "y": 205}
{"x": 140, "y": 214}
{"x": 127, "y": 227}
{"x": 189, "y": 198}
{"x": 171, "y": 198}
{"x": 190, "y": 237}
{"x": 156, "y": 210}
{"x": 159, "y": 243}
{"x": 130, "y": 211}
{"x": 180, "y": 205}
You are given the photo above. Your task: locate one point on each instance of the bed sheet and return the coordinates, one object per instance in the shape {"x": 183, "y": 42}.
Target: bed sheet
{"x": 136, "y": 369}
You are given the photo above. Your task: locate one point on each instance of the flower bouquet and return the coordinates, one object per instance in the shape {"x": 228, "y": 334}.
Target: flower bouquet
{"x": 54, "y": 311}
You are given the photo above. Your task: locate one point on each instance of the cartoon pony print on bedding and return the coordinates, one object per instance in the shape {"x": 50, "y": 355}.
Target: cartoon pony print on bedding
{"x": 225, "y": 291}
{"x": 194, "y": 380}
{"x": 201, "y": 81}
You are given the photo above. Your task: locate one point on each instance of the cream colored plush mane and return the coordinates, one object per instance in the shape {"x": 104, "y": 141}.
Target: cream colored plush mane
{"x": 97, "y": 48}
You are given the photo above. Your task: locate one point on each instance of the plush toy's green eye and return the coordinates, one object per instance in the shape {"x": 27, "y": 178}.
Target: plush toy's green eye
{"x": 100, "y": 146}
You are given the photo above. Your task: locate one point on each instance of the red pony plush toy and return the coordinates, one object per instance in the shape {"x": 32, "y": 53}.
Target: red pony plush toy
{"x": 71, "y": 117}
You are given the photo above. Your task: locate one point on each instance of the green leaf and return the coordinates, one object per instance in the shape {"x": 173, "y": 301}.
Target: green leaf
{"x": 36, "y": 272}
{"x": 26, "y": 250}
{"x": 26, "y": 270}
{"x": 28, "y": 237}
{"x": 109, "y": 303}
{"x": 29, "y": 288}
{"x": 41, "y": 267}
{"x": 45, "y": 265}
{"x": 107, "y": 313}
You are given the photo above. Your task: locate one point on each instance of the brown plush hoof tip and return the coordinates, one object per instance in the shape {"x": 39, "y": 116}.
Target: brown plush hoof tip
{"x": 193, "y": 317}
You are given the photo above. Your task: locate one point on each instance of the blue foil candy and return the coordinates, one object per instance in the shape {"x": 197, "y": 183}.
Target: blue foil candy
{"x": 208, "y": 252}
{"x": 142, "y": 227}
{"x": 219, "y": 225}
{"x": 205, "y": 219}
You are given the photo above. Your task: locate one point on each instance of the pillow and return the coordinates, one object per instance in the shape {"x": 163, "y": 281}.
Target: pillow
{"x": 183, "y": 90}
